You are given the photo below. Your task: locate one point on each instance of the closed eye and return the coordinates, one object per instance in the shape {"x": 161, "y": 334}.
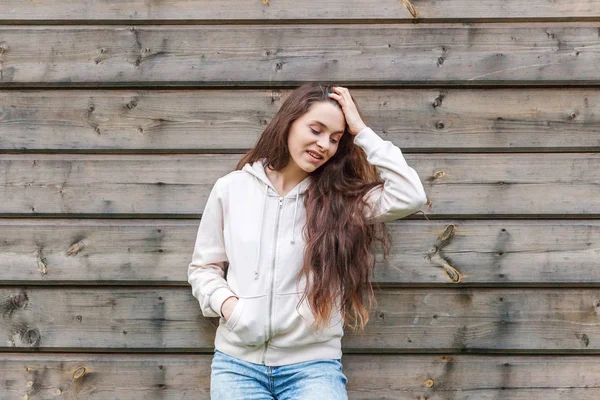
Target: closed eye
{"x": 318, "y": 133}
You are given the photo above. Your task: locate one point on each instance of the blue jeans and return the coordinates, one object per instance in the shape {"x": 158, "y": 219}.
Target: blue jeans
{"x": 235, "y": 379}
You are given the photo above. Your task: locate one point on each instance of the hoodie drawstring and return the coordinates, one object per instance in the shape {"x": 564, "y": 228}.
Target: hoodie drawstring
{"x": 295, "y": 211}
{"x": 262, "y": 217}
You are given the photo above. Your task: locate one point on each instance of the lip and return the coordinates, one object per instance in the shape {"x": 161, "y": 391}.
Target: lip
{"x": 313, "y": 159}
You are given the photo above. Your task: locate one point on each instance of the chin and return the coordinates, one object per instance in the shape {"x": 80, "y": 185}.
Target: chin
{"x": 310, "y": 168}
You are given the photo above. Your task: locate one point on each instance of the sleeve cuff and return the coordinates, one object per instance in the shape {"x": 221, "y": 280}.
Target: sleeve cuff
{"x": 218, "y": 297}
{"x": 367, "y": 139}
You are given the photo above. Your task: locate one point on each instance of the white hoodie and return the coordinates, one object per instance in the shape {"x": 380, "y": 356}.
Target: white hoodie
{"x": 248, "y": 225}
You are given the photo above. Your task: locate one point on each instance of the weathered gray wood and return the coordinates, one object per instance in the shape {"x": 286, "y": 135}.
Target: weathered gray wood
{"x": 392, "y": 377}
{"x": 266, "y": 55}
{"x": 151, "y": 252}
{"x": 161, "y": 183}
{"x": 534, "y": 184}
{"x": 232, "y": 120}
{"x": 424, "y": 320}
{"x": 184, "y": 10}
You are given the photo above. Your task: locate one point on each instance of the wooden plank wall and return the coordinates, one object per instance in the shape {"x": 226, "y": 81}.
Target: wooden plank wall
{"x": 117, "y": 117}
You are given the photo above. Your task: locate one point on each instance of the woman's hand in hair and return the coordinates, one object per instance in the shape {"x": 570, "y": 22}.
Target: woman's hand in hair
{"x": 354, "y": 121}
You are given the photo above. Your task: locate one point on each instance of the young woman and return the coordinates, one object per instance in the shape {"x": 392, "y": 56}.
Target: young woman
{"x": 294, "y": 224}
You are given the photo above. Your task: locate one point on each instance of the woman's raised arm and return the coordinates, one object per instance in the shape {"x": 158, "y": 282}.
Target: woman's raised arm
{"x": 402, "y": 193}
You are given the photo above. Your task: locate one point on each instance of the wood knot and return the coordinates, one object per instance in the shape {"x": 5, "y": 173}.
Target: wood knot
{"x": 583, "y": 338}
{"x": 437, "y": 258}
{"x": 448, "y": 232}
{"x": 275, "y": 96}
{"x": 429, "y": 383}
{"x": 31, "y": 336}
{"x": 439, "y": 174}
{"x": 411, "y": 9}
{"x": 19, "y": 300}
{"x": 79, "y": 372}
{"x": 75, "y": 248}
{"x": 42, "y": 267}
{"x": 452, "y": 273}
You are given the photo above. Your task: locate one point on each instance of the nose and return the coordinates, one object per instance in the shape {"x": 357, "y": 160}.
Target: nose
{"x": 323, "y": 143}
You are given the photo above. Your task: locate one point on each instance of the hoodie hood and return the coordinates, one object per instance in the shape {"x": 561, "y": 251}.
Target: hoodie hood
{"x": 257, "y": 169}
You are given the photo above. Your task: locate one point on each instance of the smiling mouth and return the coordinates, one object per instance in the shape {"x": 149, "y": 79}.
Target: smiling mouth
{"x": 314, "y": 155}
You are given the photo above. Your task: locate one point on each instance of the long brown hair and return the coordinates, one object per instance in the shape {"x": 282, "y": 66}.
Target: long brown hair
{"x": 338, "y": 259}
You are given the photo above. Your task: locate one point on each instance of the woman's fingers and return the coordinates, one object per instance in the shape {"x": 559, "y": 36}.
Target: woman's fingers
{"x": 342, "y": 95}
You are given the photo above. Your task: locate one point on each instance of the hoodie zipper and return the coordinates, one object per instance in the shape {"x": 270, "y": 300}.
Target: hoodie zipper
{"x": 272, "y": 278}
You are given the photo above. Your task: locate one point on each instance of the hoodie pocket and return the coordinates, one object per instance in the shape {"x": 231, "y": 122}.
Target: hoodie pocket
{"x": 246, "y": 325}
{"x": 235, "y": 314}
{"x": 294, "y": 323}
{"x": 323, "y": 333}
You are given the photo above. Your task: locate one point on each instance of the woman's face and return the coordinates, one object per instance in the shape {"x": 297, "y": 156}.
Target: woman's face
{"x": 314, "y": 137}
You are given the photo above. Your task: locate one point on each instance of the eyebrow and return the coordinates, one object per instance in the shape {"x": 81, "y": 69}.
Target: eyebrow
{"x": 322, "y": 124}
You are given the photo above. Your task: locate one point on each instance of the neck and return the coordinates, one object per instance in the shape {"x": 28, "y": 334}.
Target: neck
{"x": 286, "y": 179}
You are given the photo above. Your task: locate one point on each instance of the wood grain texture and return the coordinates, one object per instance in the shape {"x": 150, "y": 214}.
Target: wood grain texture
{"x": 385, "y": 377}
{"x": 408, "y": 320}
{"x": 158, "y": 251}
{"x": 534, "y": 184}
{"x": 117, "y": 288}
{"x": 232, "y": 120}
{"x": 281, "y": 10}
{"x": 288, "y": 54}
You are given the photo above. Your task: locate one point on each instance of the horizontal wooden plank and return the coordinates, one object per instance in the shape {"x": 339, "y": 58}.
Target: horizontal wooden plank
{"x": 186, "y": 10}
{"x": 407, "y": 320}
{"x": 154, "y": 252}
{"x": 232, "y": 120}
{"x": 265, "y": 55}
{"x": 393, "y": 377}
{"x": 456, "y": 184}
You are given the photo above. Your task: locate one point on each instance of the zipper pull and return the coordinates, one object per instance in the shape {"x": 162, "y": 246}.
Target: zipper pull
{"x": 280, "y": 202}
